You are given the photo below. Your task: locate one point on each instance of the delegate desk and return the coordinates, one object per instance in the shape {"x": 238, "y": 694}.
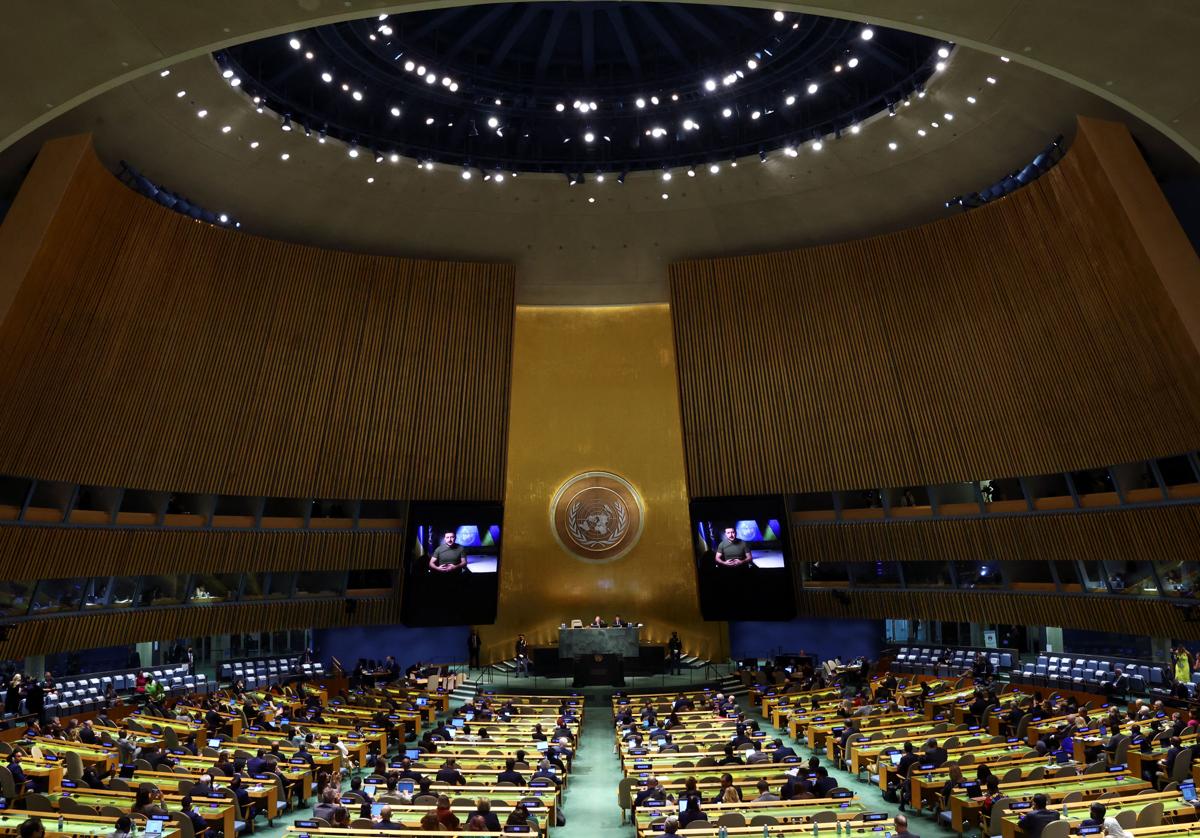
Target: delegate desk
{"x": 964, "y": 810}
{"x": 73, "y": 825}
{"x": 1175, "y": 809}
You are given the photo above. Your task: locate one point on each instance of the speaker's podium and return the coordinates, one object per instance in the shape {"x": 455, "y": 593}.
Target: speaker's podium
{"x": 598, "y": 653}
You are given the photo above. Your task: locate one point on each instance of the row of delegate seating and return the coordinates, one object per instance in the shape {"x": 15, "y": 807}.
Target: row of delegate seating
{"x": 1090, "y": 673}
{"x": 924, "y": 660}
{"x": 263, "y": 672}
{"x": 86, "y": 692}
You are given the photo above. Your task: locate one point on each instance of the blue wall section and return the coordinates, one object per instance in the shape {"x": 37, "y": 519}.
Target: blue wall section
{"x": 443, "y": 644}
{"x": 824, "y": 638}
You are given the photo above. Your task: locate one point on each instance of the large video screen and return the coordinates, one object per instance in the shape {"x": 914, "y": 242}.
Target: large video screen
{"x": 742, "y": 563}
{"x": 452, "y": 565}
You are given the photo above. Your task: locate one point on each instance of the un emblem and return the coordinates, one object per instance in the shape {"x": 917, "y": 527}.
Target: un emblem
{"x": 597, "y": 516}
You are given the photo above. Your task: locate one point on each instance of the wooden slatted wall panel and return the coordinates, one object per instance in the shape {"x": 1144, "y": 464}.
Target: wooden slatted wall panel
{"x": 29, "y": 552}
{"x": 1121, "y": 615}
{"x": 46, "y": 636}
{"x": 147, "y": 350}
{"x": 1166, "y": 534}
{"x": 1026, "y": 337}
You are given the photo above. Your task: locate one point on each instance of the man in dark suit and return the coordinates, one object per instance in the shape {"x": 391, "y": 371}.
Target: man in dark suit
{"x": 780, "y": 752}
{"x": 1036, "y": 821}
{"x": 510, "y": 774}
{"x": 824, "y": 783}
{"x": 204, "y": 788}
{"x": 522, "y": 650}
{"x": 450, "y": 774}
{"x": 935, "y": 753}
{"x": 619, "y": 623}
{"x": 901, "y": 823}
{"x": 652, "y": 791}
{"x": 1119, "y": 685}
{"x": 35, "y": 701}
{"x": 1096, "y": 814}
{"x": 598, "y": 623}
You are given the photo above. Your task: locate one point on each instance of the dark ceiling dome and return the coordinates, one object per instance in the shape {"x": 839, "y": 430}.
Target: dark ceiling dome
{"x": 582, "y": 86}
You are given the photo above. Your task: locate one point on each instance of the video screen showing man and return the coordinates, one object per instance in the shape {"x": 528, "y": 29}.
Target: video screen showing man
{"x": 733, "y": 551}
{"x": 449, "y": 556}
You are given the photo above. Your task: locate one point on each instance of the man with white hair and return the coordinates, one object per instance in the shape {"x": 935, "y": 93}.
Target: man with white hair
{"x": 652, "y": 791}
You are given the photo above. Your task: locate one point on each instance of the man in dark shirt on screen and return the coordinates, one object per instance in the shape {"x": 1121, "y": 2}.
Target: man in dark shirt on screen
{"x": 449, "y": 557}
{"x": 733, "y": 551}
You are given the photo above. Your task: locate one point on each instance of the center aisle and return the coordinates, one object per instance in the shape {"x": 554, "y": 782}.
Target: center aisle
{"x": 591, "y": 799}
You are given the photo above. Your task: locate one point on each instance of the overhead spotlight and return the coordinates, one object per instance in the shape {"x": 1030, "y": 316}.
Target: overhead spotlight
{"x": 357, "y": 96}
{"x": 920, "y": 132}
{"x": 729, "y": 79}
{"x": 762, "y": 156}
{"x": 891, "y": 108}
{"x": 789, "y": 101}
{"x": 294, "y": 43}
{"x": 498, "y": 177}
{"x": 665, "y": 196}
{"x": 493, "y": 122}
{"x": 370, "y": 180}
{"x": 728, "y": 112}
{"x": 309, "y": 56}
{"x": 778, "y": 17}
{"x": 284, "y": 156}
{"x": 254, "y": 144}
{"x": 755, "y": 114}
{"x": 225, "y": 129}
{"x": 409, "y": 66}
{"x": 991, "y": 80}
{"x": 202, "y": 113}
{"x": 430, "y": 78}
{"x": 752, "y": 64}
{"x": 572, "y": 180}
{"x": 943, "y": 52}
{"x": 589, "y": 137}
{"x": 285, "y": 123}
{"x": 867, "y": 34}
{"x": 591, "y": 200}
{"x": 428, "y": 165}
{"x": 235, "y": 82}
{"x": 378, "y": 157}
{"x": 710, "y": 85}
{"x": 666, "y": 175}
{"x": 577, "y": 104}
{"x": 166, "y": 73}
{"x": 228, "y": 74}
{"x": 599, "y": 177}
{"x": 689, "y": 125}
{"x": 321, "y": 136}
{"x": 640, "y": 102}
{"x": 429, "y": 120}
{"x": 674, "y": 97}
{"x": 466, "y": 174}
{"x": 713, "y": 168}
{"x": 970, "y": 100}
{"x": 352, "y": 151}
{"x": 420, "y": 69}
{"x": 893, "y": 146}
{"x": 949, "y": 117}
{"x": 1004, "y": 58}
{"x": 941, "y": 65}
{"x": 790, "y": 151}
{"x": 621, "y": 178}
{"x": 453, "y": 87}
{"x": 498, "y": 102}
{"x": 812, "y": 88}
{"x": 592, "y": 105}
{"x": 817, "y": 145}
{"x": 837, "y": 68}
{"x": 691, "y": 171}
{"x": 855, "y": 128}
{"x": 223, "y": 218}
{"x": 385, "y": 30}
{"x": 852, "y": 63}
{"x": 921, "y": 94}
{"x": 560, "y": 107}
{"x": 395, "y": 111}
{"x": 653, "y": 100}
{"x": 395, "y": 158}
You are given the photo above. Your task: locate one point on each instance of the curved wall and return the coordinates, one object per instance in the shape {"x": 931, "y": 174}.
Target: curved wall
{"x": 144, "y": 349}
{"x": 1030, "y": 336}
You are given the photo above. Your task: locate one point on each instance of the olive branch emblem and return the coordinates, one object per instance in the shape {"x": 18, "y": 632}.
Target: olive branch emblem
{"x": 579, "y": 532}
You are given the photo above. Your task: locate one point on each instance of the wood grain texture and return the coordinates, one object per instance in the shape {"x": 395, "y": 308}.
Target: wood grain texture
{"x": 56, "y": 634}
{"x": 1120, "y": 615}
{"x": 31, "y": 552}
{"x": 1025, "y": 337}
{"x": 1165, "y": 534}
{"x": 147, "y": 350}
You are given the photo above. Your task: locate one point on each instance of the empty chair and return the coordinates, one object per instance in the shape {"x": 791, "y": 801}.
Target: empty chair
{"x": 1057, "y": 829}
{"x": 825, "y": 816}
{"x": 697, "y": 824}
{"x": 1150, "y": 815}
{"x": 1127, "y": 818}
{"x": 731, "y": 819}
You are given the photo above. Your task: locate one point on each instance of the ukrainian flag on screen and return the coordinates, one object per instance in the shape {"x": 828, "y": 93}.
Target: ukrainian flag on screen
{"x": 467, "y": 535}
{"x": 493, "y": 535}
{"x": 772, "y": 530}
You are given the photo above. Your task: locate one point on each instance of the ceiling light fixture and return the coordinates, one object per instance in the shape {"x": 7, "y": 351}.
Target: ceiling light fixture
{"x": 867, "y": 34}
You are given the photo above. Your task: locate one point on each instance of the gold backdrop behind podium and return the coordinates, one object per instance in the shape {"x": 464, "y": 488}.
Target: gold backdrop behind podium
{"x": 594, "y": 389}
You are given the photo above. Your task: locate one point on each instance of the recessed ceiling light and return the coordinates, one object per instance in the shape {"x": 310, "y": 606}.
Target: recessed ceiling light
{"x": 867, "y": 34}
{"x": 789, "y": 101}
{"x": 854, "y": 129}
{"x": 640, "y": 102}
{"x": 714, "y": 168}
{"x": 326, "y": 77}
{"x": 991, "y": 80}
{"x": 1004, "y": 58}
{"x": 653, "y": 100}
{"x": 589, "y": 137}
{"x": 778, "y": 17}
{"x": 181, "y": 94}
{"x": 466, "y": 174}
{"x": 665, "y": 196}
{"x": 817, "y": 145}
{"x": 235, "y": 81}
{"x": 284, "y": 156}
{"x": 353, "y": 152}
{"x": 710, "y": 84}
{"x": 453, "y": 87}
{"x": 728, "y": 112}
{"x": 666, "y": 175}
{"x": 410, "y": 66}
{"x": 812, "y": 88}
{"x": 227, "y": 74}
{"x": 591, "y": 200}
{"x": 165, "y": 73}
{"x": 202, "y": 113}
{"x": 223, "y": 218}
{"x": 755, "y": 114}
{"x": 971, "y": 100}
{"x": 225, "y": 129}
{"x": 370, "y": 180}
{"x": 920, "y": 132}
{"x": 893, "y": 146}
{"x": 420, "y": 69}
{"x": 852, "y": 63}
{"x": 357, "y": 95}
{"x": 493, "y": 122}
{"x": 949, "y": 117}
{"x": 752, "y": 64}
{"x": 943, "y": 52}
{"x": 560, "y": 107}
{"x": 837, "y": 68}
{"x": 294, "y": 43}
{"x": 941, "y": 65}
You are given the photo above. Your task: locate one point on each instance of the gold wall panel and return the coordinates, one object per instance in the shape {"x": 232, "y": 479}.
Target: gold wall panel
{"x": 594, "y": 389}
